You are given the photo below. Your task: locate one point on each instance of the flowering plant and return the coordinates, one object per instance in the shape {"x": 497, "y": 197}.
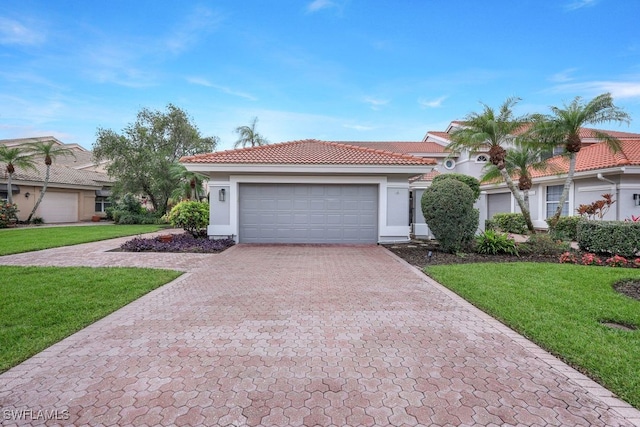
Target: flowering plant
{"x": 8, "y": 214}
{"x": 616, "y": 261}
{"x": 568, "y": 258}
{"x": 591, "y": 259}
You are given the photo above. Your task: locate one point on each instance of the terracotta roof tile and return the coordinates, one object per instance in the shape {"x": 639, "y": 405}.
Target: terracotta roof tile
{"x": 443, "y": 135}
{"x": 403, "y": 147}
{"x": 596, "y": 156}
{"x": 425, "y": 177}
{"x": 309, "y": 151}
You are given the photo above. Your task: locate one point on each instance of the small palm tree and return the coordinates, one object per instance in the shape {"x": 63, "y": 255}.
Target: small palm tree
{"x": 562, "y": 127}
{"x": 189, "y": 183}
{"x": 49, "y": 150}
{"x": 496, "y": 130}
{"x": 14, "y": 158}
{"x": 520, "y": 161}
{"x": 249, "y": 136}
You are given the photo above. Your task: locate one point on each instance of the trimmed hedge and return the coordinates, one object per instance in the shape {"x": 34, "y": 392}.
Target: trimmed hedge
{"x": 447, "y": 206}
{"x": 566, "y": 228}
{"x": 472, "y": 182}
{"x": 190, "y": 215}
{"x": 510, "y": 222}
{"x": 609, "y": 237}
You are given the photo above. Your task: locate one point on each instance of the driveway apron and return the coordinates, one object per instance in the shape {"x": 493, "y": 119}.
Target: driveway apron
{"x": 290, "y": 336}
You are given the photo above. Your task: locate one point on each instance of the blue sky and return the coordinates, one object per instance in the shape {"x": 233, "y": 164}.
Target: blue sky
{"x": 325, "y": 69}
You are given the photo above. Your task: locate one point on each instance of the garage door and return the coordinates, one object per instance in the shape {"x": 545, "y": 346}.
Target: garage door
{"x": 59, "y": 207}
{"x": 308, "y": 213}
{"x": 498, "y": 203}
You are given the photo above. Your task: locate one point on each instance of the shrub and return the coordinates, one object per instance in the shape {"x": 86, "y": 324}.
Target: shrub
{"x": 447, "y": 206}
{"x": 493, "y": 243}
{"x": 510, "y": 222}
{"x": 179, "y": 243}
{"x": 129, "y": 203}
{"x": 568, "y": 258}
{"x": 543, "y": 244}
{"x": 472, "y": 182}
{"x": 8, "y": 214}
{"x": 490, "y": 224}
{"x": 609, "y": 237}
{"x": 126, "y": 218}
{"x": 616, "y": 261}
{"x": 566, "y": 228}
{"x": 591, "y": 259}
{"x": 190, "y": 215}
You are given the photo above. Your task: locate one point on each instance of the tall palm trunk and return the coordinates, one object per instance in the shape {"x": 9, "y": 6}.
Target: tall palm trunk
{"x": 522, "y": 203}
{"x": 9, "y": 192}
{"x": 44, "y": 190}
{"x": 565, "y": 190}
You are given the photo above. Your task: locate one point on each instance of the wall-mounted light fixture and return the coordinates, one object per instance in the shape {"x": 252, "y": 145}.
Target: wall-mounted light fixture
{"x": 221, "y": 194}
{"x": 636, "y": 199}
{"x": 27, "y": 194}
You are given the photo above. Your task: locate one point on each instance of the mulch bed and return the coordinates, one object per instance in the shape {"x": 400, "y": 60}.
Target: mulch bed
{"x": 417, "y": 254}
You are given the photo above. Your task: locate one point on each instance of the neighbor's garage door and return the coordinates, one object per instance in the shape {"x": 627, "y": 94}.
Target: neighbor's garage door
{"x": 498, "y": 203}
{"x": 59, "y": 207}
{"x": 308, "y": 213}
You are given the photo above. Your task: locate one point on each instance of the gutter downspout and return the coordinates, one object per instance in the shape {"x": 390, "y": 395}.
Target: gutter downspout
{"x": 616, "y": 191}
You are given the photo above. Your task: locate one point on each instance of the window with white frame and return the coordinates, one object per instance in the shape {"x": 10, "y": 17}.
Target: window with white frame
{"x": 102, "y": 203}
{"x": 482, "y": 158}
{"x": 553, "y": 198}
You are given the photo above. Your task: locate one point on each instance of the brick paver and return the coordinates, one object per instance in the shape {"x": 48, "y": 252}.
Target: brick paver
{"x": 295, "y": 335}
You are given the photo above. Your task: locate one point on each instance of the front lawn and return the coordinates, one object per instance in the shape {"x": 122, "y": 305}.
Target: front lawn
{"x": 42, "y": 305}
{"x": 18, "y": 240}
{"x": 560, "y": 307}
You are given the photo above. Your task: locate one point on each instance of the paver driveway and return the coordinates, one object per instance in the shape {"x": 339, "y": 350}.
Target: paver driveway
{"x": 297, "y": 335}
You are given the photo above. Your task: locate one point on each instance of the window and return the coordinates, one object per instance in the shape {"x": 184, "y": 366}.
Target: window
{"x": 553, "y": 197}
{"x": 102, "y": 203}
{"x": 449, "y": 164}
{"x": 482, "y": 158}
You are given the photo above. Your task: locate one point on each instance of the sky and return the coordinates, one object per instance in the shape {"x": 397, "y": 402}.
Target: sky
{"x": 364, "y": 70}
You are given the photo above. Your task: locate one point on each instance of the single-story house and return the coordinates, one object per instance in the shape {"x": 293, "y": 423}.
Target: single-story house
{"x": 309, "y": 191}
{"x": 77, "y": 191}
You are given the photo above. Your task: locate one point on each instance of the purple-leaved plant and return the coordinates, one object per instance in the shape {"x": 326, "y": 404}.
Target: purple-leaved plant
{"x": 180, "y": 243}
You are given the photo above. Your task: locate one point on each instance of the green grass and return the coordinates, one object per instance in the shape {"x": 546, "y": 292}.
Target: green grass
{"x": 42, "y": 305}
{"x": 560, "y": 307}
{"x": 18, "y": 240}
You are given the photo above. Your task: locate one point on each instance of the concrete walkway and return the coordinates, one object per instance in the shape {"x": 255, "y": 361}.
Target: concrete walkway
{"x": 292, "y": 336}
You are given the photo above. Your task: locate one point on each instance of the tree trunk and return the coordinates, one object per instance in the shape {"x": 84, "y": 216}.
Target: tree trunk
{"x": 524, "y": 206}
{"x": 565, "y": 189}
{"x": 9, "y": 192}
{"x": 44, "y": 190}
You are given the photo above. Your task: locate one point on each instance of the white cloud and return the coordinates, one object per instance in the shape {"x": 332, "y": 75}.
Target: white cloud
{"x": 375, "y": 103}
{"x": 317, "y": 5}
{"x": 187, "y": 33}
{"x": 204, "y": 82}
{"x": 563, "y": 76}
{"x": 434, "y": 103}
{"x": 621, "y": 90}
{"x": 14, "y": 32}
{"x": 579, "y": 4}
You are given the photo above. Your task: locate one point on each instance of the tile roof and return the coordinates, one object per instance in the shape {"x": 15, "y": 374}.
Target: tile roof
{"x": 59, "y": 174}
{"x": 403, "y": 147}
{"x": 443, "y": 135}
{"x": 307, "y": 152}
{"x": 596, "y": 156}
{"x": 425, "y": 177}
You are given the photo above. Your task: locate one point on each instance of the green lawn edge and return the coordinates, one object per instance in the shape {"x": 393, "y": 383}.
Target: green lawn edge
{"x": 43, "y": 305}
{"x": 20, "y": 240}
{"x": 560, "y": 308}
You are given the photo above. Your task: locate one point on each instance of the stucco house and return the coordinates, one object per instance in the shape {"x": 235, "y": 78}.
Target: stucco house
{"x": 78, "y": 189}
{"x": 309, "y": 191}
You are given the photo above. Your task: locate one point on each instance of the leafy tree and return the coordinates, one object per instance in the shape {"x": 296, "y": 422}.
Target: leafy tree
{"x": 14, "y": 157}
{"x": 447, "y": 206}
{"x": 519, "y": 161}
{"x": 49, "y": 150}
{"x": 249, "y": 136}
{"x": 141, "y": 156}
{"x": 562, "y": 127}
{"x": 497, "y": 130}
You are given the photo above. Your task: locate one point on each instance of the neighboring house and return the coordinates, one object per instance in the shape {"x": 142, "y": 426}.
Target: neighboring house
{"x": 77, "y": 189}
{"x": 309, "y": 191}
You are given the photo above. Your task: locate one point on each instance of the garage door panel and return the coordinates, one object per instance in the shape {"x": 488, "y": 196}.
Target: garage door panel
{"x": 308, "y": 213}
{"x": 59, "y": 207}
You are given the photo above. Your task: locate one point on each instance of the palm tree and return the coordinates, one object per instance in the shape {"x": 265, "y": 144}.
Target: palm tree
{"x": 49, "y": 150}
{"x": 562, "y": 127}
{"x": 188, "y": 182}
{"x": 520, "y": 161}
{"x": 496, "y": 130}
{"x": 249, "y": 136}
{"x": 14, "y": 158}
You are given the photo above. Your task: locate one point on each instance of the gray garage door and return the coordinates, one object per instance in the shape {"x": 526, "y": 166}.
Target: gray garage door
{"x": 308, "y": 213}
{"x": 498, "y": 203}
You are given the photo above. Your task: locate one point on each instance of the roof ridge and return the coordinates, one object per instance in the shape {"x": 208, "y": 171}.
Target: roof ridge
{"x": 376, "y": 150}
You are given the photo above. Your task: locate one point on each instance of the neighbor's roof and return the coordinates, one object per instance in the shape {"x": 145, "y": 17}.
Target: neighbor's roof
{"x": 59, "y": 174}
{"x": 596, "y": 156}
{"x": 425, "y": 177}
{"x": 403, "y": 147}
{"x": 307, "y": 152}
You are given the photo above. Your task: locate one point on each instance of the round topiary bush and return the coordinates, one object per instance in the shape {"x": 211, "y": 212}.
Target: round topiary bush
{"x": 472, "y": 182}
{"x": 447, "y": 207}
{"x": 191, "y": 216}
